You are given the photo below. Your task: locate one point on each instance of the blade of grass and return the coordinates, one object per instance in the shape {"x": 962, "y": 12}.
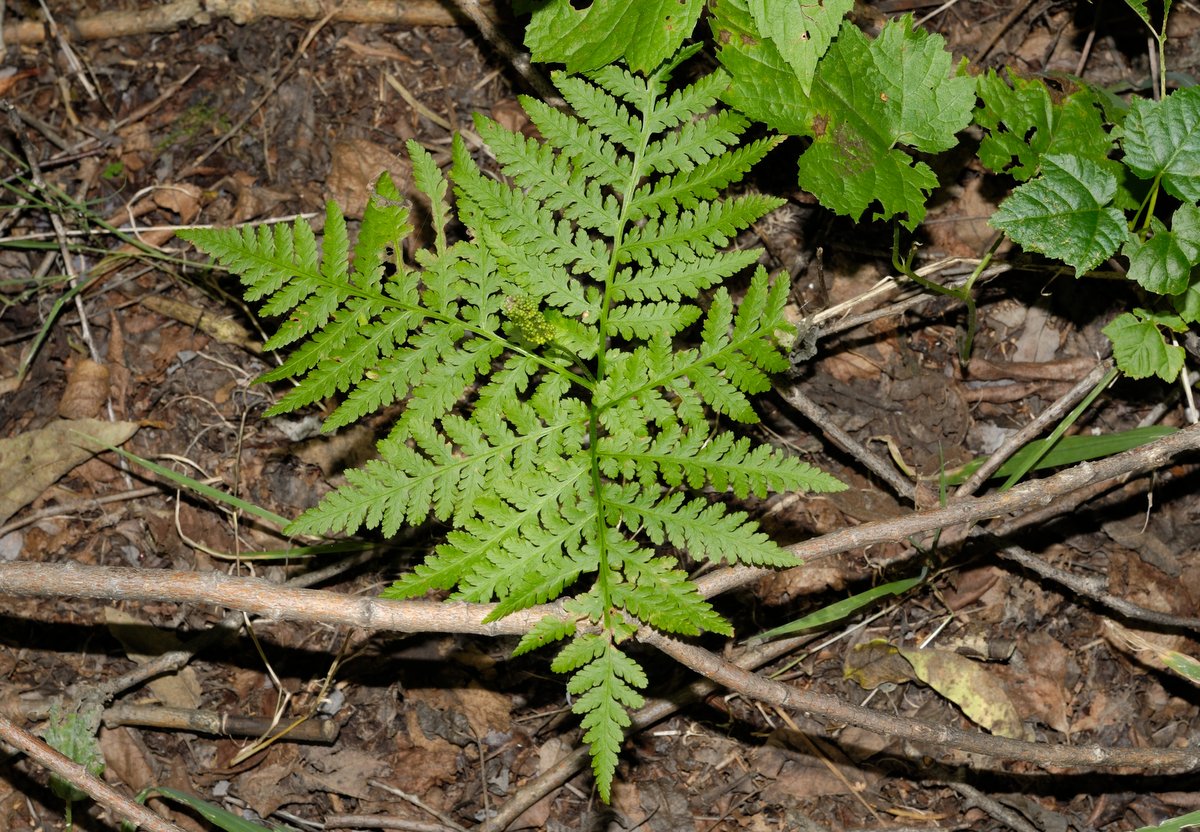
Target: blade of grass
{"x": 215, "y": 815}
{"x": 1067, "y": 421}
{"x": 840, "y": 609}
{"x": 1068, "y": 451}
{"x": 196, "y": 486}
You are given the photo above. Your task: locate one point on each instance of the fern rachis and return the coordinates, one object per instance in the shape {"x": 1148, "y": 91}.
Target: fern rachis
{"x": 549, "y": 416}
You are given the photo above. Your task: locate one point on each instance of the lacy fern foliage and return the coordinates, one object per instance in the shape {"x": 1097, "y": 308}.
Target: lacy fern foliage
{"x": 553, "y": 414}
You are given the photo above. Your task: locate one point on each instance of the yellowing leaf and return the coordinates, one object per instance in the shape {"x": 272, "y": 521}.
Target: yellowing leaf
{"x": 971, "y": 686}
{"x": 33, "y": 461}
{"x": 874, "y": 663}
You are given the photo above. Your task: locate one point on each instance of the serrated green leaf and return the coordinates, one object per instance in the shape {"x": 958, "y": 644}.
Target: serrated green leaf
{"x": 547, "y": 631}
{"x": 1025, "y": 122}
{"x": 1162, "y": 141}
{"x": 1141, "y": 350}
{"x": 643, "y": 33}
{"x": 800, "y": 29}
{"x": 605, "y": 687}
{"x": 1066, "y": 213}
{"x": 1163, "y": 263}
{"x": 867, "y": 98}
{"x": 533, "y": 368}
{"x": 1187, "y": 305}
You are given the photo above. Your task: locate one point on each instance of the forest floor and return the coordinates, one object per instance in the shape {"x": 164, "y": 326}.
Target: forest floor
{"x": 215, "y": 122}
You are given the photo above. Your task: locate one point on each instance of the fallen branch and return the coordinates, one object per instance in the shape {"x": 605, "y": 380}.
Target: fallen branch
{"x": 82, "y": 779}
{"x": 171, "y": 16}
{"x": 1034, "y": 494}
{"x": 272, "y": 601}
{"x": 831, "y": 708}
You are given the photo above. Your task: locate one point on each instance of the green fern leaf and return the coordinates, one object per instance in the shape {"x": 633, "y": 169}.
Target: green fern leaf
{"x": 551, "y": 411}
{"x": 701, "y": 528}
{"x": 606, "y": 690}
{"x": 546, "y": 631}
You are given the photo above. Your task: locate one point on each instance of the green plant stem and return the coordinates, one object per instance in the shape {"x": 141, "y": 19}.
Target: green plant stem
{"x": 962, "y": 293}
{"x": 603, "y": 578}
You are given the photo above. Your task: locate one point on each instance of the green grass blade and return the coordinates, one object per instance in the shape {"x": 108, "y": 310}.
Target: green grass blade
{"x": 1023, "y": 469}
{"x": 1188, "y": 821}
{"x": 215, "y": 815}
{"x": 841, "y": 609}
{"x": 196, "y": 486}
{"x": 1068, "y": 451}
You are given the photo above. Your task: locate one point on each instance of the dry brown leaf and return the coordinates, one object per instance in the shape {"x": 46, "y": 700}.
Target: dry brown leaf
{"x": 143, "y": 642}
{"x": 35, "y": 460}
{"x": 87, "y": 390}
{"x": 357, "y": 163}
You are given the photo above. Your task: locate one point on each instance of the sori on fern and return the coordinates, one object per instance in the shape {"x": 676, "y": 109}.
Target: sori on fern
{"x": 552, "y": 412}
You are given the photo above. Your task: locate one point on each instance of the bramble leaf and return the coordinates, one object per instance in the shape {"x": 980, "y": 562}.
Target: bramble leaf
{"x": 866, "y": 100}
{"x": 1141, "y": 350}
{"x": 801, "y": 30}
{"x": 1025, "y": 122}
{"x": 1162, "y": 140}
{"x": 1163, "y": 264}
{"x": 1066, "y": 213}
{"x": 643, "y": 33}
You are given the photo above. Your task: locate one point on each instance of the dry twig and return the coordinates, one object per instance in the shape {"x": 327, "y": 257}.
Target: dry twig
{"x": 82, "y": 779}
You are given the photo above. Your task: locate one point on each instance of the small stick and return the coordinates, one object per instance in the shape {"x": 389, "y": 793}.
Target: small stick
{"x": 82, "y": 779}
{"x": 1043, "y": 420}
{"x": 997, "y": 810}
{"x": 519, "y": 60}
{"x": 875, "y": 463}
{"x": 1094, "y": 588}
{"x": 834, "y": 709}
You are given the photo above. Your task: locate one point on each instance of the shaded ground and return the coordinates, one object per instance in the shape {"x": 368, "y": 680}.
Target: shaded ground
{"x": 452, "y": 721}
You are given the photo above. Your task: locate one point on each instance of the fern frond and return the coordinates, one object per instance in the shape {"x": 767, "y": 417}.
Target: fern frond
{"x": 606, "y": 687}
{"x": 705, "y": 530}
{"x": 551, "y": 178}
{"x": 551, "y": 411}
{"x": 722, "y": 461}
{"x": 697, "y": 232}
{"x": 604, "y": 114}
{"x": 704, "y": 181}
{"x": 645, "y": 320}
{"x": 429, "y": 181}
{"x": 680, "y": 279}
{"x": 593, "y": 153}
{"x": 547, "y": 631}
{"x": 696, "y": 143}
{"x": 662, "y": 595}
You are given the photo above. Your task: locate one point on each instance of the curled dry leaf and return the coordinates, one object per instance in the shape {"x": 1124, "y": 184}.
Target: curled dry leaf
{"x": 87, "y": 390}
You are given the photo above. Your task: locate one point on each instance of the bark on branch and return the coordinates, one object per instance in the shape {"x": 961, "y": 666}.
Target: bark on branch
{"x": 171, "y": 16}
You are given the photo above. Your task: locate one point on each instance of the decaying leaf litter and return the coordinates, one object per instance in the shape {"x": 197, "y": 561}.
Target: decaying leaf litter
{"x": 417, "y": 714}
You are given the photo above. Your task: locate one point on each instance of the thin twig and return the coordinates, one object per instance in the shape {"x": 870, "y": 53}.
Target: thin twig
{"x": 1094, "y": 588}
{"x": 994, "y": 808}
{"x": 262, "y": 99}
{"x": 1048, "y": 497}
{"x": 82, "y": 779}
{"x": 284, "y": 603}
{"x": 878, "y": 466}
{"x": 654, "y": 712}
{"x": 833, "y": 709}
{"x": 1043, "y": 420}
{"x": 62, "y": 509}
{"x": 500, "y": 42}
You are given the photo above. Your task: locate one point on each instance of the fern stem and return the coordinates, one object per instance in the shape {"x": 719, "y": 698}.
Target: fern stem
{"x": 603, "y": 570}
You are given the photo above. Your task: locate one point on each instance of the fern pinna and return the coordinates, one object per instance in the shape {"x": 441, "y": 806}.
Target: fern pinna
{"x": 548, "y": 414}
